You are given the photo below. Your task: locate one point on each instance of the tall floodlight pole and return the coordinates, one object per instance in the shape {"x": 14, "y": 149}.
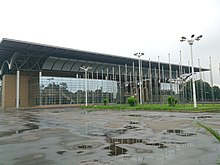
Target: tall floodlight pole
{"x": 86, "y": 70}
{"x": 191, "y": 41}
{"x": 201, "y": 83}
{"x": 211, "y": 78}
{"x": 140, "y": 80}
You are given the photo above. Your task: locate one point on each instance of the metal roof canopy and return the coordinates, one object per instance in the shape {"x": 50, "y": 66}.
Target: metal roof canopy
{"x": 29, "y": 56}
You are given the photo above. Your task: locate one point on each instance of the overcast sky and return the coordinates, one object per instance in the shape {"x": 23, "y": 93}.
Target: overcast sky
{"x": 119, "y": 27}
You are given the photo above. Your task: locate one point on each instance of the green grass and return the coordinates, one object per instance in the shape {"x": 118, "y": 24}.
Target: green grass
{"x": 213, "y": 132}
{"x": 159, "y": 107}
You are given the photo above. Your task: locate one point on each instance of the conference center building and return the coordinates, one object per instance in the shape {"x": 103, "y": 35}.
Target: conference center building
{"x": 38, "y": 75}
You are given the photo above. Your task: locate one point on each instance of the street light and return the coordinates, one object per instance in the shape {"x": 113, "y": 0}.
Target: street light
{"x": 140, "y": 80}
{"x": 191, "y": 41}
{"x": 86, "y": 70}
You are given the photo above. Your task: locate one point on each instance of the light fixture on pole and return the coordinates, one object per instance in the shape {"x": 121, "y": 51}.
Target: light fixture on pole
{"x": 191, "y": 41}
{"x": 86, "y": 70}
{"x": 140, "y": 80}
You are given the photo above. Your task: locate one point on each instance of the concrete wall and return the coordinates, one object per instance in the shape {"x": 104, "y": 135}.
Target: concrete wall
{"x": 9, "y": 91}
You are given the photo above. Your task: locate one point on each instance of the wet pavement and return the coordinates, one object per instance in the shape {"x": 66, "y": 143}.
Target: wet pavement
{"x": 76, "y": 136}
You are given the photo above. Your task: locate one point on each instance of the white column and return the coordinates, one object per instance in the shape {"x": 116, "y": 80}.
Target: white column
{"x": 193, "y": 79}
{"x": 40, "y": 93}
{"x": 140, "y": 81}
{"x": 86, "y": 86}
{"x": 17, "y": 89}
{"x": 211, "y": 78}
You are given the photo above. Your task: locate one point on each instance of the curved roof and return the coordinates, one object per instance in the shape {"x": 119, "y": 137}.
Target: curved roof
{"x": 29, "y": 56}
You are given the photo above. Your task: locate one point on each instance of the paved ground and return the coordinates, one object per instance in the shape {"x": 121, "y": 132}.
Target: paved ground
{"x": 77, "y": 137}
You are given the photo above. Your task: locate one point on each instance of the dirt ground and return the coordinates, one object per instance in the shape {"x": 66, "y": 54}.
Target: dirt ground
{"x": 74, "y": 136}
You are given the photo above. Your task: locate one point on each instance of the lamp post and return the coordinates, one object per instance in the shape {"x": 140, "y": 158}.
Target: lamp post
{"x": 140, "y": 80}
{"x": 86, "y": 70}
{"x": 191, "y": 41}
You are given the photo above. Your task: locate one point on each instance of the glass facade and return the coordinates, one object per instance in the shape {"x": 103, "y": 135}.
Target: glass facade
{"x": 47, "y": 90}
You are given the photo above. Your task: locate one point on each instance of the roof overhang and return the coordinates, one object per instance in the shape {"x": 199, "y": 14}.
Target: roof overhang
{"x": 33, "y": 57}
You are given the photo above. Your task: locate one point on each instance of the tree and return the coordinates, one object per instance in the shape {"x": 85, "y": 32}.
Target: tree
{"x": 203, "y": 89}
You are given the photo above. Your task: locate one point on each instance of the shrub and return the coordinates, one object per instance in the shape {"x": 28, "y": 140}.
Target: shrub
{"x": 171, "y": 101}
{"x": 132, "y": 101}
{"x": 105, "y": 101}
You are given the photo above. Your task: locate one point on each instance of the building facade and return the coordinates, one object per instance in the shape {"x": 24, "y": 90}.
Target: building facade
{"x": 40, "y": 75}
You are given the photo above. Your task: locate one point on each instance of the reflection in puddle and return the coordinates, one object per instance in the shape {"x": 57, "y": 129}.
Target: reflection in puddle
{"x": 160, "y": 145}
{"x": 134, "y": 122}
{"x": 130, "y": 127}
{"x": 124, "y": 141}
{"x": 84, "y": 146}
{"x": 186, "y": 134}
{"x": 115, "y": 150}
{"x": 180, "y": 132}
{"x": 135, "y": 115}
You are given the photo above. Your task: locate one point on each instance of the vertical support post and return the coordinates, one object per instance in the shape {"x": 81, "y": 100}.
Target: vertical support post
{"x": 86, "y": 87}
{"x": 140, "y": 81}
{"x": 170, "y": 69}
{"x": 93, "y": 90}
{"x": 159, "y": 78}
{"x": 190, "y": 83}
{"x": 119, "y": 74}
{"x": 126, "y": 81}
{"x": 131, "y": 89}
{"x": 181, "y": 78}
{"x": 102, "y": 86}
{"x": 134, "y": 92}
{"x": 18, "y": 90}
{"x": 155, "y": 84}
{"x": 211, "y": 78}
{"x": 40, "y": 91}
{"x": 204, "y": 86}
{"x": 163, "y": 81}
{"x": 60, "y": 93}
{"x": 151, "y": 95}
{"x": 201, "y": 83}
